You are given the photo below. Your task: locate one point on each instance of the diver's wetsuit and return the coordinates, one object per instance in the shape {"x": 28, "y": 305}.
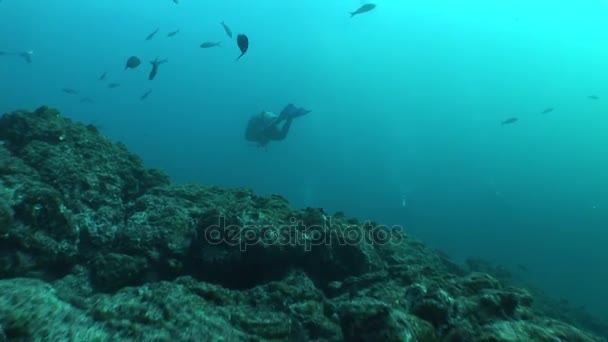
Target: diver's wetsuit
{"x": 265, "y": 127}
{"x": 273, "y": 132}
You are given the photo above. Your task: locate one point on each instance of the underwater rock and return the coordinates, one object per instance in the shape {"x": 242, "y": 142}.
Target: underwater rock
{"x": 113, "y": 251}
{"x": 30, "y": 310}
{"x": 3, "y": 337}
{"x": 370, "y": 320}
{"x": 113, "y": 271}
{"x": 6, "y": 216}
{"x": 475, "y": 282}
{"x": 435, "y": 306}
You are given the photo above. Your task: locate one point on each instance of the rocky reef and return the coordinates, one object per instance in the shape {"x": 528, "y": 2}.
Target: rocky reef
{"x": 96, "y": 247}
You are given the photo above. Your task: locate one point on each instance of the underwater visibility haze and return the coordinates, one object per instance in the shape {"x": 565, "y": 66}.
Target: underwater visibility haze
{"x": 478, "y": 127}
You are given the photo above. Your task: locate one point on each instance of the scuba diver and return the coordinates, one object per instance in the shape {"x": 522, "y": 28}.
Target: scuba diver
{"x": 266, "y": 126}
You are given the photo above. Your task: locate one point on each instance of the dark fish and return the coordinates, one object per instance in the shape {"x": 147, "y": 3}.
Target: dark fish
{"x": 70, "y": 91}
{"x": 227, "y": 29}
{"x": 510, "y": 121}
{"x": 363, "y": 9}
{"x": 172, "y": 33}
{"x": 26, "y": 56}
{"x": 103, "y": 76}
{"x": 151, "y": 35}
{"x": 113, "y": 85}
{"x": 145, "y": 95}
{"x": 207, "y": 45}
{"x": 522, "y": 268}
{"x": 132, "y": 63}
{"x": 176, "y": 2}
{"x": 593, "y": 97}
{"x": 243, "y": 43}
{"x": 87, "y": 100}
{"x": 155, "y": 63}
{"x": 548, "y": 110}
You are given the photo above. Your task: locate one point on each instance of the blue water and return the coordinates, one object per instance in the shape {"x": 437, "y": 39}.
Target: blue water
{"x": 406, "y": 106}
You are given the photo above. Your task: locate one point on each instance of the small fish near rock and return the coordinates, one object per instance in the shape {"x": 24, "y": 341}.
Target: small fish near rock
{"x": 132, "y": 63}
{"x": 363, "y": 9}
{"x": 207, "y": 45}
{"x": 509, "y": 121}
{"x": 243, "y": 43}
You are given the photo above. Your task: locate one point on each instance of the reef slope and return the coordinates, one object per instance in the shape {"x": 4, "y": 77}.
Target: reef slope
{"x": 96, "y": 247}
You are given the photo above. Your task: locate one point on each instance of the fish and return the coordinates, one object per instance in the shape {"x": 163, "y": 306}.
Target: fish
{"x": 509, "y": 121}
{"x": 145, "y": 95}
{"x": 132, "y": 62}
{"x": 113, "y": 85}
{"x": 26, "y": 56}
{"x": 207, "y": 45}
{"x": 172, "y": 33}
{"x": 155, "y": 64}
{"x": 151, "y": 35}
{"x": 243, "y": 43}
{"x": 593, "y": 97}
{"x": 363, "y": 9}
{"x": 227, "y": 29}
{"x": 70, "y": 91}
{"x": 176, "y": 2}
{"x": 87, "y": 100}
{"x": 103, "y": 76}
{"x": 547, "y": 110}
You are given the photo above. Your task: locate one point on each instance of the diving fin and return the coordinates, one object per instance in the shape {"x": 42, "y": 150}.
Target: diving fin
{"x": 290, "y": 112}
